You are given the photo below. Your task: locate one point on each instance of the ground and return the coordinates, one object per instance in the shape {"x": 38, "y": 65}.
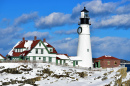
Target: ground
{"x": 45, "y": 74}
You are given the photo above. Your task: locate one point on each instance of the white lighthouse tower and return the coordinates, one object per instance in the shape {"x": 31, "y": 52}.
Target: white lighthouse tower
{"x": 84, "y": 43}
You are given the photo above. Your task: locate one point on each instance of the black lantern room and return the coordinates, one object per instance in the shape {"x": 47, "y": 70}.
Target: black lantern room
{"x": 84, "y": 17}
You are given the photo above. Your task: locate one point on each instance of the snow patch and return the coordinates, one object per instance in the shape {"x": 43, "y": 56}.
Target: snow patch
{"x": 11, "y": 52}
{"x": 28, "y": 44}
{"x": 45, "y": 43}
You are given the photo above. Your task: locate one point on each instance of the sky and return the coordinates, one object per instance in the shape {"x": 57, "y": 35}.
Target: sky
{"x": 57, "y": 21}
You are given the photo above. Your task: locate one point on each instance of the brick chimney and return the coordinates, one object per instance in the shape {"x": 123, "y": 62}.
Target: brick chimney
{"x": 35, "y": 38}
{"x": 23, "y": 39}
{"x": 44, "y": 40}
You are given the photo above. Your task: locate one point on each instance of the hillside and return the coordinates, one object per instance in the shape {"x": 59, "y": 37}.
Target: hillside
{"x": 44, "y": 74}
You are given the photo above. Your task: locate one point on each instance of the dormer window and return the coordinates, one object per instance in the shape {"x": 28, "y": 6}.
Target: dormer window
{"x": 40, "y": 44}
{"x": 51, "y": 50}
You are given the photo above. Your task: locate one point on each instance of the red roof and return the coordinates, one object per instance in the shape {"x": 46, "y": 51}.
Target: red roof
{"x": 21, "y": 45}
{"x": 54, "y": 50}
{"x": 2, "y": 56}
{"x": 107, "y": 57}
{"x": 34, "y": 43}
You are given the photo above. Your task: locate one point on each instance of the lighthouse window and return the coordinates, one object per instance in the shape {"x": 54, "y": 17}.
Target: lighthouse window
{"x": 87, "y": 50}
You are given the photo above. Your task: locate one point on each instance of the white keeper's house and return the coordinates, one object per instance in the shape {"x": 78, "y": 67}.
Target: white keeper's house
{"x": 36, "y": 50}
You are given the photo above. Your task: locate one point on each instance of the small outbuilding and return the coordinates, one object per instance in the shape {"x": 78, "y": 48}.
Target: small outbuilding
{"x": 106, "y": 62}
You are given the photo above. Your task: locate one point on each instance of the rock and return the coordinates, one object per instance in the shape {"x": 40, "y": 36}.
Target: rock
{"x": 104, "y": 78}
{"x": 25, "y": 69}
{"x": 5, "y": 83}
{"x": 105, "y": 74}
{"x": 82, "y": 74}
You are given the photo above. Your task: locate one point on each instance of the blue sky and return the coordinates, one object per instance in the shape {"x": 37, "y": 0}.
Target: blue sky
{"x": 57, "y": 21}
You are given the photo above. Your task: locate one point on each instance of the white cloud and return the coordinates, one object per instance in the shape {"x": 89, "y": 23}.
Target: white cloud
{"x": 53, "y": 20}
{"x": 72, "y": 31}
{"x": 40, "y": 35}
{"x": 95, "y": 7}
{"x": 66, "y": 46}
{"x": 123, "y": 9}
{"x": 25, "y": 18}
{"x": 114, "y": 46}
{"x": 118, "y": 21}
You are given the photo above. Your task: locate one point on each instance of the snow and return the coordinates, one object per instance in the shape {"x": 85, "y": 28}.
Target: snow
{"x": 45, "y": 43}
{"x": 28, "y": 44}
{"x": 107, "y": 56}
{"x": 62, "y": 56}
{"x": 75, "y": 58}
{"x": 11, "y": 52}
{"x": 91, "y": 80}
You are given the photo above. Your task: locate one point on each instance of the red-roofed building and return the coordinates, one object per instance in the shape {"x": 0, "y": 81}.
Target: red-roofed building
{"x": 32, "y": 50}
{"x": 106, "y": 62}
{"x": 35, "y": 50}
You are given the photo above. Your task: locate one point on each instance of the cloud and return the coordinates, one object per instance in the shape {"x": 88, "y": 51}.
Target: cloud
{"x": 73, "y": 31}
{"x": 95, "y": 7}
{"x": 25, "y": 18}
{"x": 40, "y": 35}
{"x": 114, "y": 46}
{"x": 123, "y": 9}
{"x": 53, "y": 20}
{"x": 66, "y": 46}
{"x": 116, "y": 21}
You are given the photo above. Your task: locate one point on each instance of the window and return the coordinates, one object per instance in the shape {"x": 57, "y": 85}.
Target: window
{"x": 115, "y": 63}
{"x": 76, "y": 62}
{"x": 39, "y": 44}
{"x": 19, "y": 50}
{"x": 87, "y": 50}
{"x": 108, "y": 62}
{"x": 44, "y": 59}
{"x": 36, "y": 51}
{"x": 50, "y": 59}
{"x": 39, "y": 58}
{"x": 51, "y": 50}
{"x": 34, "y": 58}
{"x": 41, "y": 51}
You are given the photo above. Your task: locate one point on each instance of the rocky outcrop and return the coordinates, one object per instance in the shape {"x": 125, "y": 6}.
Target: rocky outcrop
{"x": 122, "y": 74}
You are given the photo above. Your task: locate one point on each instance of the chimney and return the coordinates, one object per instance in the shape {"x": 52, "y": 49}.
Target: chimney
{"x": 23, "y": 39}
{"x": 44, "y": 40}
{"x": 35, "y": 38}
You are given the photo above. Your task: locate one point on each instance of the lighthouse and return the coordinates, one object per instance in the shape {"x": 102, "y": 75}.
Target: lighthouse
{"x": 84, "y": 43}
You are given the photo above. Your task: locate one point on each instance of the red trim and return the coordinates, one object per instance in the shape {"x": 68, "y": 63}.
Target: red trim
{"x": 57, "y": 58}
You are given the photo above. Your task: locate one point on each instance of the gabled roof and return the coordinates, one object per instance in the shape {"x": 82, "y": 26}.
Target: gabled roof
{"x": 29, "y": 45}
{"x": 2, "y": 56}
{"x": 48, "y": 45}
{"x": 21, "y": 44}
{"x": 106, "y": 57}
